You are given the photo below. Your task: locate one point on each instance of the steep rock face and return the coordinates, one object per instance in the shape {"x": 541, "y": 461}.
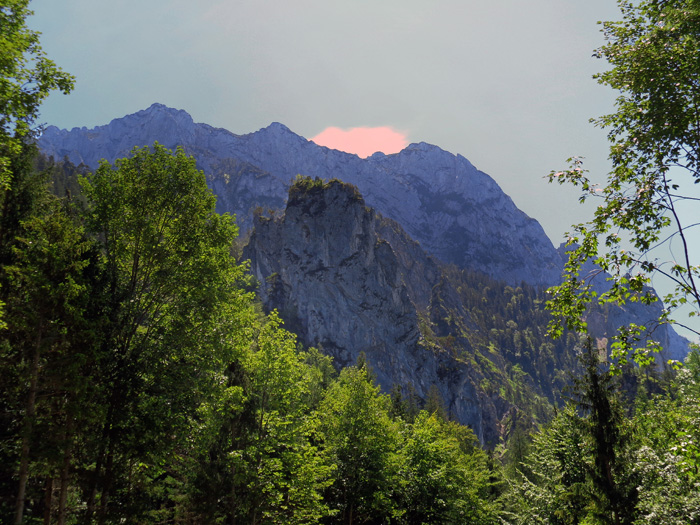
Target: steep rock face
{"x": 343, "y": 286}
{"x": 461, "y": 215}
{"x": 454, "y": 211}
{"x": 241, "y": 188}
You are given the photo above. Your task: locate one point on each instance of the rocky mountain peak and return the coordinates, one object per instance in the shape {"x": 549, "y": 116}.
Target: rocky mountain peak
{"x": 160, "y": 112}
{"x": 171, "y": 125}
{"x": 422, "y": 147}
{"x": 275, "y": 137}
{"x": 277, "y": 128}
{"x": 456, "y": 212}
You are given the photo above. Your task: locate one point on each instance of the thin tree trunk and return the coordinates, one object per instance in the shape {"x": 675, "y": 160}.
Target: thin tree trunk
{"x": 105, "y": 446}
{"x": 107, "y": 485}
{"x": 232, "y": 503}
{"x": 94, "y": 482}
{"x": 92, "y": 493}
{"x": 48, "y": 496}
{"x": 65, "y": 470}
{"x": 26, "y": 433}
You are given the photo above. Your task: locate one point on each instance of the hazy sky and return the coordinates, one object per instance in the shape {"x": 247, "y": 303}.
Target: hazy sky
{"x": 506, "y": 83}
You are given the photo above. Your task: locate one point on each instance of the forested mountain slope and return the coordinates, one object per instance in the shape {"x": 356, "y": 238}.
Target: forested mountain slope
{"x": 454, "y": 212}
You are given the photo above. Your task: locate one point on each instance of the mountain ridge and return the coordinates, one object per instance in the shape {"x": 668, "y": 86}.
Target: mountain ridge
{"x": 456, "y": 212}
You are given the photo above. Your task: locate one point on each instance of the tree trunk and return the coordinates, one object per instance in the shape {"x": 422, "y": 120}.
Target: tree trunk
{"x": 92, "y": 492}
{"x": 106, "y": 486}
{"x": 105, "y": 446}
{"x": 65, "y": 471}
{"x": 48, "y": 496}
{"x": 26, "y": 433}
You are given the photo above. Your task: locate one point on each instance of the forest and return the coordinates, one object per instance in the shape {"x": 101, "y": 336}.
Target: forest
{"x": 141, "y": 381}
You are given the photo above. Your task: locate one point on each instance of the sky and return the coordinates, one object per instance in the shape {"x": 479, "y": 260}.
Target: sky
{"x": 505, "y": 83}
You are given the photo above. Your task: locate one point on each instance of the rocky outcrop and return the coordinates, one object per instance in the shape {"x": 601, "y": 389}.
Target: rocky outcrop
{"x": 456, "y": 212}
{"x": 343, "y": 278}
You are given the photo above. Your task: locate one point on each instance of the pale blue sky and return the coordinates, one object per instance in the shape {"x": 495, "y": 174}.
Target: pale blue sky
{"x": 505, "y": 83}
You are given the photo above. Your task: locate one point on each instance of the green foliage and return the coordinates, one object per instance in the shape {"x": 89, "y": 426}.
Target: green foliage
{"x": 63, "y": 176}
{"x": 435, "y": 404}
{"x": 592, "y": 464}
{"x": 404, "y": 406}
{"x": 362, "y": 441}
{"x": 304, "y": 185}
{"x": 172, "y": 288}
{"x": 443, "y": 476}
{"x": 613, "y": 493}
{"x": 29, "y": 246}
{"x": 428, "y": 470}
{"x": 555, "y": 488}
{"x": 501, "y": 331}
{"x": 654, "y": 52}
{"x": 256, "y": 460}
{"x": 26, "y": 79}
{"x": 667, "y": 456}
{"x": 50, "y": 351}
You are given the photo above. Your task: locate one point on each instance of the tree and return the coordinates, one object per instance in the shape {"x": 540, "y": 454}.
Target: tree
{"x": 581, "y": 468}
{"x": 613, "y": 491}
{"x": 654, "y": 139}
{"x": 442, "y": 473}
{"x": 362, "y": 440}
{"x": 257, "y": 462}
{"x": 174, "y": 314}
{"x": 26, "y": 79}
{"x": 51, "y": 348}
{"x": 667, "y": 458}
{"x": 555, "y": 489}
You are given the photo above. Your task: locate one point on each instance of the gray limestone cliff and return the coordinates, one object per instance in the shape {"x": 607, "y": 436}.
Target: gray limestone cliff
{"x": 342, "y": 277}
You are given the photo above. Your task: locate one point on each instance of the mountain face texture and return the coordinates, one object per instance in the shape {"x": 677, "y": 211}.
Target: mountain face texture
{"x": 456, "y": 212}
{"x": 344, "y": 279}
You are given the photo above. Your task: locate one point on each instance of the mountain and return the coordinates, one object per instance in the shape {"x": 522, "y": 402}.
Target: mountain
{"x": 349, "y": 280}
{"x": 456, "y": 212}
{"x": 416, "y": 259}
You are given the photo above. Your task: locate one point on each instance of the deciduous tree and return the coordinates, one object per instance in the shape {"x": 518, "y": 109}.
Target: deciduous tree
{"x": 654, "y": 134}
{"x": 174, "y": 299}
{"x": 362, "y": 441}
{"x": 27, "y": 77}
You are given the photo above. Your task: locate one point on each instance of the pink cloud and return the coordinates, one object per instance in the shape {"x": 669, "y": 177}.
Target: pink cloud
{"x": 363, "y": 141}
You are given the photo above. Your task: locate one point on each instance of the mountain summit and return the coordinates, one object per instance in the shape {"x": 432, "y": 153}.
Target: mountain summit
{"x": 456, "y": 212}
